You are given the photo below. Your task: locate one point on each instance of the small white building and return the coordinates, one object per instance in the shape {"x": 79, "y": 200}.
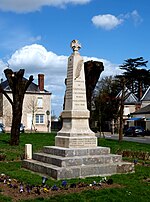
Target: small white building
{"x": 36, "y": 107}
{"x": 131, "y": 103}
{"x": 141, "y": 117}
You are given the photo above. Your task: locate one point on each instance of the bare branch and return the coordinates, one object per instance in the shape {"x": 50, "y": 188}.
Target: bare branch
{"x": 6, "y": 95}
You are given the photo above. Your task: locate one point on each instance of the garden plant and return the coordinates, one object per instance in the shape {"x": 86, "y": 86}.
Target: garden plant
{"x": 24, "y": 185}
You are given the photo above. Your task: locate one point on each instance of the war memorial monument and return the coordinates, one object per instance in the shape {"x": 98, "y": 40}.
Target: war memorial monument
{"x": 76, "y": 154}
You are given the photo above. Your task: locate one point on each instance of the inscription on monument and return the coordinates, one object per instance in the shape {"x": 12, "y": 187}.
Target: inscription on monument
{"x": 83, "y": 142}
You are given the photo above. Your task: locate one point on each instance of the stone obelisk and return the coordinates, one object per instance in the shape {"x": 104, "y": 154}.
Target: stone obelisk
{"x": 76, "y": 153}
{"x": 75, "y": 132}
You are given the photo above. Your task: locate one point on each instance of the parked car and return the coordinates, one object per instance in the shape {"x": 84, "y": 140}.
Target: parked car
{"x": 2, "y": 128}
{"x": 147, "y": 132}
{"x": 135, "y": 131}
{"x": 22, "y": 128}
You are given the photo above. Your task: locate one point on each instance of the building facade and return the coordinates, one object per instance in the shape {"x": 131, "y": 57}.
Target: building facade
{"x": 36, "y": 107}
{"x": 141, "y": 117}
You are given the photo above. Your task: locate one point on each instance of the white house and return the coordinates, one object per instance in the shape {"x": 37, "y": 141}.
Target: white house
{"x": 141, "y": 117}
{"x": 131, "y": 103}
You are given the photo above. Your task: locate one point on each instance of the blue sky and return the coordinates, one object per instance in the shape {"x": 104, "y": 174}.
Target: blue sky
{"x": 36, "y": 35}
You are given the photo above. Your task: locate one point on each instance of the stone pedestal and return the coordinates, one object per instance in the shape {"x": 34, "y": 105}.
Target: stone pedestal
{"x": 75, "y": 132}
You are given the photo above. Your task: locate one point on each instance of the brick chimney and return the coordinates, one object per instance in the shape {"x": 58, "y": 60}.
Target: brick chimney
{"x": 140, "y": 93}
{"x": 41, "y": 82}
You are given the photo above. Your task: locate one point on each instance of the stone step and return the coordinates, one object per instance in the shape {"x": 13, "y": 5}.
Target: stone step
{"x": 78, "y": 171}
{"x": 76, "y": 160}
{"x": 69, "y": 152}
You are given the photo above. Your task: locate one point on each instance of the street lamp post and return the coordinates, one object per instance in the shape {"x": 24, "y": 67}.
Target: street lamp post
{"x": 48, "y": 121}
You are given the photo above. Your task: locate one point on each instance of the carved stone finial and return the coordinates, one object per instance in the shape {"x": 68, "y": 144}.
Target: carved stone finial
{"x": 75, "y": 45}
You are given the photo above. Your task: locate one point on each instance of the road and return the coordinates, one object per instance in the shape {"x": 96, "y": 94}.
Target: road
{"x": 139, "y": 139}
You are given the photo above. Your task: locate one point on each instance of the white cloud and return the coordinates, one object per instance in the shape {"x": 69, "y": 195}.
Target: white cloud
{"x": 136, "y": 17}
{"x": 107, "y": 21}
{"x": 109, "y": 68}
{"x": 36, "y": 59}
{"x": 24, "y": 6}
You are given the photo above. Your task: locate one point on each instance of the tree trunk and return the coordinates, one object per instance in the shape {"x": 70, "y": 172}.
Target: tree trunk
{"x": 15, "y": 129}
{"x": 121, "y": 111}
{"x": 18, "y": 97}
{"x": 18, "y": 86}
{"x": 92, "y": 71}
{"x": 121, "y": 124}
{"x": 139, "y": 90}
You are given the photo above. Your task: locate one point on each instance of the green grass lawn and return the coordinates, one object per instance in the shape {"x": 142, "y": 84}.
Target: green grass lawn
{"x": 134, "y": 188}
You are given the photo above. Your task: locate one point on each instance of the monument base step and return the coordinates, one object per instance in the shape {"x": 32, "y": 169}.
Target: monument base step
{"x": 83, "y": 171}
{"x": 76, "y": 160}
{"x": 71, "y": 152}
{"x": 66, "y": 163}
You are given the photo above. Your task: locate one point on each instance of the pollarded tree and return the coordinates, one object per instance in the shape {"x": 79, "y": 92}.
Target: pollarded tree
{"x": 92, "y": 70}
{"x": 18, "y": 85}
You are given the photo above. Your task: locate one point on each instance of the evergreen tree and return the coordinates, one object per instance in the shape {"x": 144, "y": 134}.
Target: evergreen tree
{"x": 138, "y": 79}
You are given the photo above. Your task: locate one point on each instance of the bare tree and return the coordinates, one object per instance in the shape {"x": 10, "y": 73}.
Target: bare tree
{"x": 121, "y": 111}
{"x": 32, "y": 106}
{"x": 18, "y": 85}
